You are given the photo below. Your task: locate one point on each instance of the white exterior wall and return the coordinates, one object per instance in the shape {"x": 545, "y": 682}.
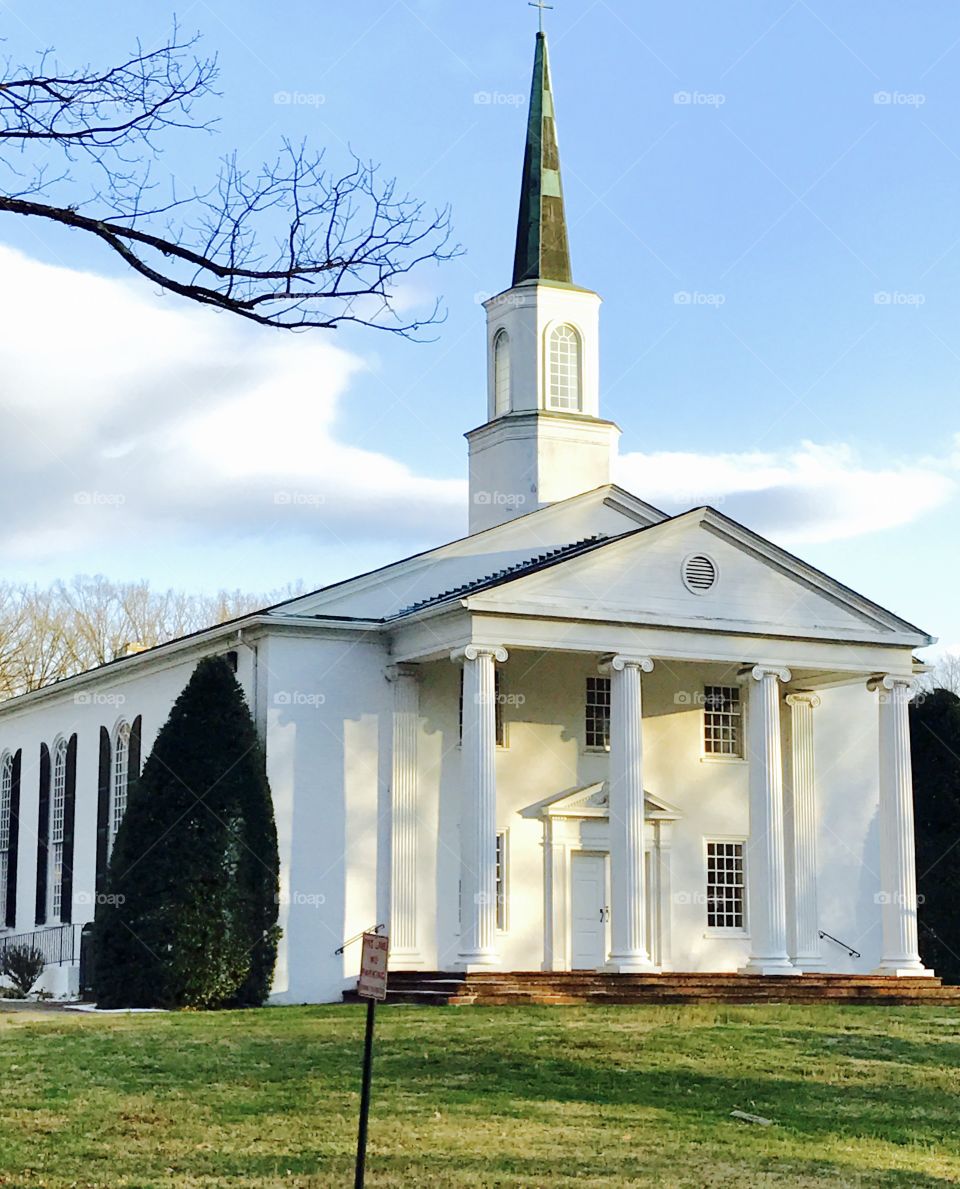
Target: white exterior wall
{"x": 327, "y": 708}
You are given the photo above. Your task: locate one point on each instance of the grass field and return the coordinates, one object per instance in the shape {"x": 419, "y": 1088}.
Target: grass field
{"x": 492, "y": 1097}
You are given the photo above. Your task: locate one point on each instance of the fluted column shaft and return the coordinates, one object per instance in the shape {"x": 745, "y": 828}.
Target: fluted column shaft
{"x": 404, "y": 951}
{"x": 898, "y": 873}
{"x": 478, "y": 809}
{"x": 627, "y": 902}
{"x": 766, "y": 865}
{"x": 803, "y": 829}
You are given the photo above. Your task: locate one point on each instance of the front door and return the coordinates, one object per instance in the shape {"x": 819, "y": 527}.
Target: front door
{"x": 589, "y": 911}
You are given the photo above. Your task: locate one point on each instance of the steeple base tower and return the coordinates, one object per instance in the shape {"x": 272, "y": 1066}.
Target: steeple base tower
{"x": 528, "y": 460}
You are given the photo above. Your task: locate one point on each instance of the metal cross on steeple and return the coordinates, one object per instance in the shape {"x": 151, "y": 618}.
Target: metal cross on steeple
{"x": 539, "y": 4}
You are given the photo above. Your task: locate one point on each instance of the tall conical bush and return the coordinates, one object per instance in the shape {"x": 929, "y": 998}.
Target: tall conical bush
{"x": 191, "y": 906}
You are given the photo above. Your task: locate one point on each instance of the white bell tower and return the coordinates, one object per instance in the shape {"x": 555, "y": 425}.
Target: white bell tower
{"x": 544, "y": 439}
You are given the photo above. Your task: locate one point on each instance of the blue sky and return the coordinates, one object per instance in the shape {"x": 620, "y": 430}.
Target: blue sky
{"x": 794, "y": 166}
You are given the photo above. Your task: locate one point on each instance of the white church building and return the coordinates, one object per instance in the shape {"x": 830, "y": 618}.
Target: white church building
{"x": 587, "y": 736}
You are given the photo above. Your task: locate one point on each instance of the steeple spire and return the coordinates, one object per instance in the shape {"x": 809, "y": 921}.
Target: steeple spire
{"x": 543, "y": 250}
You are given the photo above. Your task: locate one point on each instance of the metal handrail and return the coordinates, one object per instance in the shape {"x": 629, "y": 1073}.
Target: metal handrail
{"x": 849, "y": 948}
{"x": 59, "y": 944}
{"x": 357, "y": 936}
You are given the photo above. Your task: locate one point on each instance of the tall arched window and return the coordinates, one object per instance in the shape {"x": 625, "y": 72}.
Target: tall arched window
{"x": 121, "y": 779}
{"x": 58, "y": 804}
{"x": 501, "y": 373}
{"x": 564, "y": 369}
{"x": 6, "y": 803}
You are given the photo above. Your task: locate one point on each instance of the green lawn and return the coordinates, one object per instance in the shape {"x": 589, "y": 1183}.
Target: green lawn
{"x": 474, "y": 1096}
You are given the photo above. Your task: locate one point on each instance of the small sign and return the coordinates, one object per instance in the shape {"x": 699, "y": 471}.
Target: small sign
{"x": 372, "y": 983}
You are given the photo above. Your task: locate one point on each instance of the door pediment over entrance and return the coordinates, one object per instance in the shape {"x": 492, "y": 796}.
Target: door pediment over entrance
{"x": 593, "y": 800}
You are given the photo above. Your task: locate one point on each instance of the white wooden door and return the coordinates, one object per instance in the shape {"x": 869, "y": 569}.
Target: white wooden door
{"x": 589, "y": 912}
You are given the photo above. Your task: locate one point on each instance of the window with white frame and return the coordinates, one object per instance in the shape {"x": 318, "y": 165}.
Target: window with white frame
{"x": 120, "y": 781}
{"x": 57, "y": 816}
{"x": 722, "y": 720}
{"x": 564, "y": 369}
{"x": 501, "y": 373}
{"x": 597, "y": 722}
{"x": 499, "y": 700}
{"x": 6, "y": 805}
{"x": 725, "y": 885}
{"x": 502, "y": 885}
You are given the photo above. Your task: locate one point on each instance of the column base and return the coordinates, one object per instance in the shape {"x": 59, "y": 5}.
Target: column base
{"x": 813, "y": 965}
{"x": 903, "y": 969}
{"x": 770, "y": 966}
{"x": 406, "y": 960}
{"x": 476, "y": 963}
{"x": 629, "y": 964}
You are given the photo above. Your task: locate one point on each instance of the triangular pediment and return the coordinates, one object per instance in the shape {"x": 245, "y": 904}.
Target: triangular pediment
{"x": 593, "y": 800}
{"x": 757, "y": 588}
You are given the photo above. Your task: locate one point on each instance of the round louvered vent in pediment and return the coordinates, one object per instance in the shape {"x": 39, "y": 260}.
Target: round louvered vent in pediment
{"x": 699, "y": 573}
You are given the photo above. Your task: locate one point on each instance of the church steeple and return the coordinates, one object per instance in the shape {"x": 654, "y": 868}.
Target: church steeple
{"x": 543, "y": 249}
{"x": 544, "y": 439}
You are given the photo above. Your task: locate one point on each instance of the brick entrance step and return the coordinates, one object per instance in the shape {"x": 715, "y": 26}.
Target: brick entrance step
{"x": 498, "y": 988}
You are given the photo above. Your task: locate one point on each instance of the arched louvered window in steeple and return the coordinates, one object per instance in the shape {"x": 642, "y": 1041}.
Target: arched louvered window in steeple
{"x": 501, "y": 373}
{"x": 564, "y": 393}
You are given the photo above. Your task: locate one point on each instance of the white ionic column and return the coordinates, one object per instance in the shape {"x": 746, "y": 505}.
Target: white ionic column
{"x": 628, "y": 952}
{"x": 898, "y": 873}
{"x": 766, "y": 866}
{"x": 404, "y": 949}
{"x": 805, "y": 953}
{"x": 478, "y": 809}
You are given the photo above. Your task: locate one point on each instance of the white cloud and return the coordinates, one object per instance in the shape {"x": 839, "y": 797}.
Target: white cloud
{"x": 810, "y": 494}
{"x": 127, "y": 413}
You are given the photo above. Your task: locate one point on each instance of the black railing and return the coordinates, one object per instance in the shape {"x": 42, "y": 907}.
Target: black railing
{"x": 357, "y": 936}
{"x": 59, "y": 945}
{"x": 849, "y": 948}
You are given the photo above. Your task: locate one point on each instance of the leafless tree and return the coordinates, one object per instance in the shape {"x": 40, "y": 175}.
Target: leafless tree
{"x": 50, "y": 633}
{"x": 291, "y": 245}
{"x": 944, "y": 675}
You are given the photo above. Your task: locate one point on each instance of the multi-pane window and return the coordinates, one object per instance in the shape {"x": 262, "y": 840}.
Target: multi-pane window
{"x": 6, "y": 801}
{"x": 722, "y": 720}
{"x": 564, "y": 369}
{"x": 121, "y": 780}
{"x": 501, "y": 373}
{"x": 57, "y": 813}
{"x": 598, "y": 712}
{"x": 725, "y": 885}
{"x": 502, "y": 880}
{"x": 499, "y": 700}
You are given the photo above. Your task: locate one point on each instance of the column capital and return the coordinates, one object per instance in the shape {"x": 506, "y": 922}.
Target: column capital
{"x": 623, "y": 660}
{"x": 400, "y": 671}
{"x": 473, "y": 652}
{"x": 890, "y": 681}
{"x": 803, "y": 698}
{"x": 759, "y": 672}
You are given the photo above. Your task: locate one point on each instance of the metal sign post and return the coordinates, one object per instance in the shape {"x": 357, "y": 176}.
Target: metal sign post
{"x": 372, "y": 985}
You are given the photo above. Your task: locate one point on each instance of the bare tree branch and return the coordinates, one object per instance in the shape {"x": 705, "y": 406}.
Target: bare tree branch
{"x": 291, "y": 245}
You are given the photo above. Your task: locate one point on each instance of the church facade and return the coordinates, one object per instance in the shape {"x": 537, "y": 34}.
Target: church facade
{"x": 588, "y": 735}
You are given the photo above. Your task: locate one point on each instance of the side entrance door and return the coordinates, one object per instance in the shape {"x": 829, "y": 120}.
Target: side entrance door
{"x": 589, "y": 911}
